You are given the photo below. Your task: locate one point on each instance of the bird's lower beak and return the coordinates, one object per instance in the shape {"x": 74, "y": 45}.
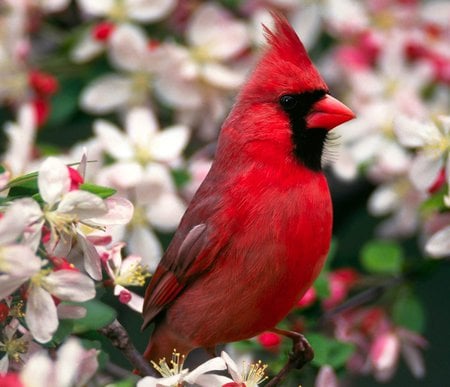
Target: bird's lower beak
{"x": 328, "y": 113}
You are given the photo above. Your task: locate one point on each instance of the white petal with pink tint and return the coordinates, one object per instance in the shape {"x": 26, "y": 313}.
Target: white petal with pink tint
{"x": 53, "y": 180}
{"x": 82, "y": 204}
{"x": 97, "y": 7}
{"x": 40, "y": 314}
{"x": 73, "y": 312}
{"x": 119, "y": 211}
{"x": 86, "y": 49}
{"x": 213, "y": 29}
{"x": 145, "y": 244}
{"x": 37, "y": 371}
{"x": 425, "y": 170}
{"x": 166, "y": 211}
{"x": 91, "y": 257}
{"x": 122, "y": 175}
{"x": 70, "y": 285}
{"x": 168, "y": 144}
{"x": 413, "y": 133}
{"x": 149, "y": 10}
{"x": 326, "y": 377}
{"x": 113, "y": 140}
{"x": 438, "y": 246}
{"x": 128, "y": 47}
{"x": 384, "y": 354}
{"x": 221, "y": 76}
{"x": 106, "y": 93}
{"x": 141, "y": 125}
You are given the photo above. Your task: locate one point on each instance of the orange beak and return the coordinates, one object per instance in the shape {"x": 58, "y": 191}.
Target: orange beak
{"x": 328, "y": 113}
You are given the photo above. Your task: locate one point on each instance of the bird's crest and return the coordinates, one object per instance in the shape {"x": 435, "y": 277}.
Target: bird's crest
{"x": 284, "y": 66}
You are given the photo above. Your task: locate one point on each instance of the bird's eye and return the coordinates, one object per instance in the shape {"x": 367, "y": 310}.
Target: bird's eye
{"x": 288, "y": 102}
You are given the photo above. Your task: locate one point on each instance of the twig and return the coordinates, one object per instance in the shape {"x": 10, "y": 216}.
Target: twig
{"x": 302, "y": 354}
{"x": 119, "y": 338}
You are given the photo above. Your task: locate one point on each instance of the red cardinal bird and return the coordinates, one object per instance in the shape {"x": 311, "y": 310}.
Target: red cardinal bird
{"x": 257, "y": 232}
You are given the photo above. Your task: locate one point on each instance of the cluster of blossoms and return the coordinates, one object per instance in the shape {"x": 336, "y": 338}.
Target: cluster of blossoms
{"x": 157, "y": 79}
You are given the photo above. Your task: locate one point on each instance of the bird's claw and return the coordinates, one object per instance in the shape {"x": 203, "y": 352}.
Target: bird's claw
{"x": 302, "y": 351}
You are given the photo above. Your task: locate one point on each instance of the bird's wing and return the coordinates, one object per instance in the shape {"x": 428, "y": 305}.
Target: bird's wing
{"x": 178, "y": 266}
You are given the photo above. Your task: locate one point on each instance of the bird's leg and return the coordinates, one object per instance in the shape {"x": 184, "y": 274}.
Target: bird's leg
{"x": 302, "y": 351}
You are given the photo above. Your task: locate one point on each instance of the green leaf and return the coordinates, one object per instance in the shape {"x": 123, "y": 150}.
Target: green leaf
{"x": 130, "y": 382}
{"x": 30, "y": 177}
{"x": 329, "y": 351}
{"x": 382, "y": 257}
{"x": 65, "y": 328}
{"x": 98, "y": 315}
{"x": 103, "y": 192}
{"x": 181, "y": 177}
{"x": 434, "y": 203}
{"x": 322, "y": 286}
{"x": 408, "y": 312}
{"x": 26, "y": 187}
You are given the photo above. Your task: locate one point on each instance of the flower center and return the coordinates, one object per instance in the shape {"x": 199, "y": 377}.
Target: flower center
{"x": 134, "y": 276}
{"x": 14, "y": 348}
{"x": 175, "y": 367}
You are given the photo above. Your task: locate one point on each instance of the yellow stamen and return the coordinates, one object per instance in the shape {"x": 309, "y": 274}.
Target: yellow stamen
{"x": 175, "y": 367}
{"x": 135, "y": 276}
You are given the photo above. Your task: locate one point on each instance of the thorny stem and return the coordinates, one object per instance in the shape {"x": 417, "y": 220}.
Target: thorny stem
{"x": 119, "y": 338}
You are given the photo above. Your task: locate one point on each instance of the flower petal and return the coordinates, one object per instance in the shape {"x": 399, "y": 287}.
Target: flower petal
{"x": 149, "y": 10}
{"x": 86, "y": 49}
{"x": 17, "y": 216}
{"x": 41, "y": 316}
{"x": 232, "y": 367}
{"x": 113, "y": 140}
{"x": 73, "y": 312}
{"x": 438, "y": 246}
{"x": 424, "y": 170}
{"x": 106, "y": 94}
{"x": 82, "y": 204}
{"x": 222, "y": 76}
{"x": 91, "y": 260}
{"x": 119, "y": 212}
{"x": 144, "y": 243}
{"x": 213, "y": 28}
{"x": 412, "y": 133}
{"x": 168, "y": 144}
{"x": 37, "y": 371}
{"x": 215, "y": 364}
{"x": 70, "y": 285}
{"x": 166, "y": 211}
{"x": 53, "y": 180}
{"x": 97, "y": 7}
{"x": 128, "y": 48}
{"x": 141, "y": 125}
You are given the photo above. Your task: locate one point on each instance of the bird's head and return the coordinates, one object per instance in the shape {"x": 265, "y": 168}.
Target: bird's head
{"x": 288, "y": 99}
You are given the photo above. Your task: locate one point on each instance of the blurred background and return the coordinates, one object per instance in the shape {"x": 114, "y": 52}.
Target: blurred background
{"x": 143, "y": 86}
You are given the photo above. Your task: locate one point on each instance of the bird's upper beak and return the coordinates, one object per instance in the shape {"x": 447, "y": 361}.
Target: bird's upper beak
{"x": 328, "y": 113}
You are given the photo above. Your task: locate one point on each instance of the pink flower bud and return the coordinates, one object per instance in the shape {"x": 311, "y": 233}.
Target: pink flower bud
{"x": 102, "y": 31}
{"x": 269, "y": 340}
{"x": 384, "y": 353}
{"x": 124, "y": 297}
{"x": 308, "y": 298}
{"x": 75, "y": 179}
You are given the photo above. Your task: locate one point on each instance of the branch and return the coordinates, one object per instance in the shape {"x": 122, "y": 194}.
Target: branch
{"x": 119, "y": 338}
{"x": 302, "y": 354}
